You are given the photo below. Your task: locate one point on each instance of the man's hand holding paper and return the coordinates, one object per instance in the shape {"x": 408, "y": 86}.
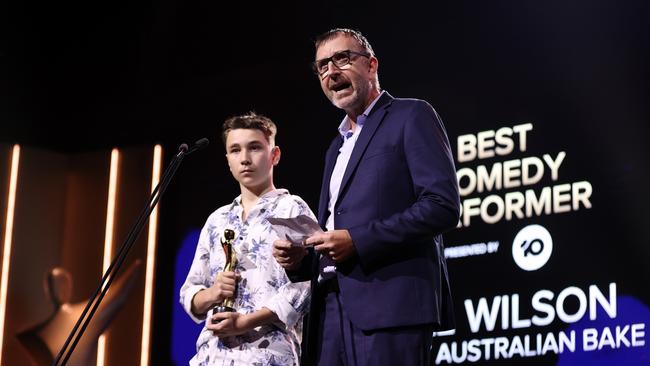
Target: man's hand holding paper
{"x": 290, "y": 251}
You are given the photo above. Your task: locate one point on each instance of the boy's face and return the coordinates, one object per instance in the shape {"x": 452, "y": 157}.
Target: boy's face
{"x": 251, "y": 158}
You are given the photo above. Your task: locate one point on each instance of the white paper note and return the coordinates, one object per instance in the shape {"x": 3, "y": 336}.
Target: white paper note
{"x": 295, "y": 229}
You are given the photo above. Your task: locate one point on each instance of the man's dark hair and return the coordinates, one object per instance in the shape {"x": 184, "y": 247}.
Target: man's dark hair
{"x": 250, "y": 121}
{"x": 333, "y": 33}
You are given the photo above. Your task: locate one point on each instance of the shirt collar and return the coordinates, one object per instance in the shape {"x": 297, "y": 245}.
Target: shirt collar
{"x": 344, "y": 127}
{"x": 265, "y": 197}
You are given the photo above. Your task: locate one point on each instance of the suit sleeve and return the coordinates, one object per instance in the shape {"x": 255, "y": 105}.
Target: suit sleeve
{"x": 305, "y": 271}
{"x": 436, "y": 206}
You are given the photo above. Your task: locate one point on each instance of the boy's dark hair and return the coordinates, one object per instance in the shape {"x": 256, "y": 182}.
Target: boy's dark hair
{"x": 250, "y": 121}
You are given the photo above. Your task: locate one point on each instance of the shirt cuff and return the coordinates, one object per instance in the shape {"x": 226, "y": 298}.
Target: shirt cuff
{"x": 283, "y": 309}
{"x": 187, "y": 302}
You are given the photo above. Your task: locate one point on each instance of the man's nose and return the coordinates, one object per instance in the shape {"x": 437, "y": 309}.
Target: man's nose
{"x": 332, "y": 69}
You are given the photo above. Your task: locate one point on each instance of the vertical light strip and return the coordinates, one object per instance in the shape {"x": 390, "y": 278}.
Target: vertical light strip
{"x": 151, "y": 262}
{"x": 108, "y": 238}
{"x": 8, "y": 235}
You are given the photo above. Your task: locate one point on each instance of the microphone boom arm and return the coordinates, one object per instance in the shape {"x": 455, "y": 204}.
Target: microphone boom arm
{"x": 117, "y": 262}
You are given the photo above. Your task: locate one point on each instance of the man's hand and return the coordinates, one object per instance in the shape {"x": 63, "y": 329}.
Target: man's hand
{"x": 228, "y": 324}
{"x": 288, "y": 255}
{"x": 336, "y": 244}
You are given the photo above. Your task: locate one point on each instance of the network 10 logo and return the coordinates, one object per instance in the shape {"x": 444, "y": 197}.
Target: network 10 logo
{"x": 532, "y": 247}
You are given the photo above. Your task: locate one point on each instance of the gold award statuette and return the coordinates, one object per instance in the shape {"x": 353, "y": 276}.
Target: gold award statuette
{"x": 227, "y": 305}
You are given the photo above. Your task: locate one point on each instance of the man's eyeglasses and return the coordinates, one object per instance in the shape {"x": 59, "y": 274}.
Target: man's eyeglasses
{"x": 339, "y": 59}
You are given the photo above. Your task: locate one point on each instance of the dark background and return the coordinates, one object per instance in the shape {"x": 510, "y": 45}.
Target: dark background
{"x": 84, "y": 76}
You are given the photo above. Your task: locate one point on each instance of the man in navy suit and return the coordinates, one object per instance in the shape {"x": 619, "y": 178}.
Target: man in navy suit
{"x": 379, "y": 276}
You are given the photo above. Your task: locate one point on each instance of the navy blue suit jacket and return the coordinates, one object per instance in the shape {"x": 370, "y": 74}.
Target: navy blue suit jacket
{"x": 398, "y": 195}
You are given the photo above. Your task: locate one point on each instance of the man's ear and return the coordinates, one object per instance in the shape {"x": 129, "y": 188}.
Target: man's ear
{"x": 373, "y": 64}
{"x": 275, "y": 155}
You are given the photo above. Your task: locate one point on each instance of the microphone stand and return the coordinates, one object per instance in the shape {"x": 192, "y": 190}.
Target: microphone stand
{"x": 106, "y": 281}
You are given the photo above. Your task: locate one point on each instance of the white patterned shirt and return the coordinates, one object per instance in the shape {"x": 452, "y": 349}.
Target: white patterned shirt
{"x": 263, "y": 283}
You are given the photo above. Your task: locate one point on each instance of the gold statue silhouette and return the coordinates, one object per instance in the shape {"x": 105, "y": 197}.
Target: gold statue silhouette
{"x": 44, "y": 341}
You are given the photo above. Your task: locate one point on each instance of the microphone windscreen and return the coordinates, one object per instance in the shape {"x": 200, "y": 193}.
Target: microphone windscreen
{"x": 201, "y": 143}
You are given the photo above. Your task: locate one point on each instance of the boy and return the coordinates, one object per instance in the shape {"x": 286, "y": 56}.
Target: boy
{"x": 265, "y": 329}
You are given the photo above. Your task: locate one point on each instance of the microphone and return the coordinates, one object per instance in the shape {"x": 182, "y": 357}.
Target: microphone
{"x": 198, "y": 145}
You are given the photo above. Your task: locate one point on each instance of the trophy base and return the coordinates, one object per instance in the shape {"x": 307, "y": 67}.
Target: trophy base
{"x": 220, "y": 309}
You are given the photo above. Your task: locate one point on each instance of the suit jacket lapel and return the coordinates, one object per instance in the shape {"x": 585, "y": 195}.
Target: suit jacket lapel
{"x": 370, "y": 126}
{"x": 330, "y": 160}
